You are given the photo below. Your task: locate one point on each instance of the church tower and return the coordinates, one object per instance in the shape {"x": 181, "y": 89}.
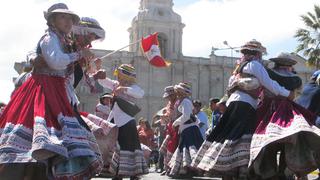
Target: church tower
{"x": 158, "y": 16}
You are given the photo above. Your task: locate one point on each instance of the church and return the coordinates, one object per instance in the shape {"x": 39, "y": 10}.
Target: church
{"x": 208, "y": 76}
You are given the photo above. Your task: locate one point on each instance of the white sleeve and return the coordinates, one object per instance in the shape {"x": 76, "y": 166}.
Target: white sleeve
{"x": 135, "y": 91}
{"x": 53, "y": 54}
{"x": 186, "y": 110}
{"x": 255, "y": 68}
{"x": 108, "y": 83}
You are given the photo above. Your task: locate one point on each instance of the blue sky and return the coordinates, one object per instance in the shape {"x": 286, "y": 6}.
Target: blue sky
{"x": 208, "y": 23}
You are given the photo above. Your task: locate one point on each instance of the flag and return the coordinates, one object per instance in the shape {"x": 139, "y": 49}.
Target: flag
{"x": 150, "y": 46}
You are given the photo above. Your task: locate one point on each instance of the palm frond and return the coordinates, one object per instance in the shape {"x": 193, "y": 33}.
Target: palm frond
{"x": 307, "y": 21}
{"x": 317, "y": 12}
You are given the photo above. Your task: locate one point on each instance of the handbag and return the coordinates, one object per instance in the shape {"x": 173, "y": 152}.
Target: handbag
{"x": 128, "y": 107}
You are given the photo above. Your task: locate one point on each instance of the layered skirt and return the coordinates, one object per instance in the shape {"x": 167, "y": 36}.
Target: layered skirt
{"x": 226, "y": 151}
{"x": 106, "y": 134}
{"x": 286, "y": 126}
{"x": 39, "y": 126}
{"x": 128, "y": 159}
{"x": 189, "y": 142}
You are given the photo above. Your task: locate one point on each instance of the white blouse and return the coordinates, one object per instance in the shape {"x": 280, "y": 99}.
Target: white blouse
{"x": 121, "y": 118}
{"x": 256, "y": 69}
{"x": 57, "y": 59}
{"x": 185, "y": 108}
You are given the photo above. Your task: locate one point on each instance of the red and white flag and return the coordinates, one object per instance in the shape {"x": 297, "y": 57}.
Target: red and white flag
{"x": 150, "y": 46}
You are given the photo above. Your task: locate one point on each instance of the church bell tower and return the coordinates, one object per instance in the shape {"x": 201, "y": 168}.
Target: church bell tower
{"x": 158, "y": 16}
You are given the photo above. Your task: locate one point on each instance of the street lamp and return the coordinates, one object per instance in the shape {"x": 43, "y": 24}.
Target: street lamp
{"x": 231, "y": 48}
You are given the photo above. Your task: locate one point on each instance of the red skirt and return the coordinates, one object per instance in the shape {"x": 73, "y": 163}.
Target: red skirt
{"x": 39, "y": 125}
{"x": 284, "y": 125}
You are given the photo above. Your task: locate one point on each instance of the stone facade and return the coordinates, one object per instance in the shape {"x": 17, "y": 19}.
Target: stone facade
{"x": 209, "y": 76}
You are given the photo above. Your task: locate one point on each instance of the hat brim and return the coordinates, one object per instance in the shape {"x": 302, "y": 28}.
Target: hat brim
{"x": 107, "y": 96}
{"x": 75, "y": 17}
{"x": 180, "y": 89}
{"x": 160, "y": 112}
{"x": 284, "y": 61}
{"x": 263, "y": 51}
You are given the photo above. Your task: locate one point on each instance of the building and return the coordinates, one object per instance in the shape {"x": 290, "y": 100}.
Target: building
{"x": 208, "y": 76}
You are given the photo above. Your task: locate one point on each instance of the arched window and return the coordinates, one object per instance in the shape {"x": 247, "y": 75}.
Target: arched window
{"x": 163, "y": 44}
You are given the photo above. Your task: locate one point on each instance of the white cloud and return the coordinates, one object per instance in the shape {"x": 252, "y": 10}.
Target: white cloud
{"x": 208, "y": 23}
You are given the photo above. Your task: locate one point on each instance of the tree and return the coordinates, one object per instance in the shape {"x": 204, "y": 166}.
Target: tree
{"x": 309, "y": 37}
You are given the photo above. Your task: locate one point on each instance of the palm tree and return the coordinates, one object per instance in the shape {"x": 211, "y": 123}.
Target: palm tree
{"x": 309, "y": 37}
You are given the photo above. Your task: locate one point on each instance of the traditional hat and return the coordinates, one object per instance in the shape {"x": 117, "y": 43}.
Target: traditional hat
{"x": 285, "y": 59}
{"x": 60, "y": 8}
{"x": 127, "y": 71}
{"x": 253, "y": 45}
{"x": 315, "y": 75}
{"x": 106, "y": 95}
{"x": 161, "y": 112}
{"x": 89, "y": 25}
{"x": 183, "y": 87}
{"x": 223, "y": 100}
{"x": 168, "y": 91}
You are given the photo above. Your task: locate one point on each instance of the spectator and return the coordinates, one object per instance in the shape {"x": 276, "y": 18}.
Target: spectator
{"x": 2, "y": 106}
{"x": 145, "y": 132}
{"x": 103, "y": 107}
{"x": 215, "y": 111}
{"x": 222, "y": 105}
{"x": 202, "y": 116}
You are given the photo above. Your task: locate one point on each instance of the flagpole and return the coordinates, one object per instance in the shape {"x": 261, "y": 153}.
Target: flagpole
{"x": 115, "y": 51}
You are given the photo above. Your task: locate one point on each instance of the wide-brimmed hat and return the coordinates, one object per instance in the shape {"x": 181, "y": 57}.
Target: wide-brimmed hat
{"x": 315, "y": 75}
{"x": 223, "y": 100}
{"x": 286, "y": 59}
{"x": 183, "y": 87}
{"x": 169, "y": 90}
{"x": 253, "y": 45}
{"x": 60, "y": 8}
{"x": 161, "y": 112}
{"x": 106, "y": 95}
{"x": 89, "y": 25}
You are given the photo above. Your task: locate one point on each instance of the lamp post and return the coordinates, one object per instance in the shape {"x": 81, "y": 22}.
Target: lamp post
{"x": 231, "y": 48}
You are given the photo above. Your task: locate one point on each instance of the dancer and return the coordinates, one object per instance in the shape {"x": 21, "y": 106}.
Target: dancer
{"x": 128, "y": 160}
{"x": 226, "y": 151}
{"x": 39, "y": 129}
{"x": 284, "y": 126}
{"x": 189, "y": 132}
{"x": 170, "y": 143}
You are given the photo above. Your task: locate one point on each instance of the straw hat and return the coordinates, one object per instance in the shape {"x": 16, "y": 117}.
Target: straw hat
{"x": 60, "y": 8}
{"x": 253, "y": 45}
{"x": 286, "y": 59}
{"x": 169, "y": 90}
{"x": 183, "y": 87}
{"x": 89, "y": 25}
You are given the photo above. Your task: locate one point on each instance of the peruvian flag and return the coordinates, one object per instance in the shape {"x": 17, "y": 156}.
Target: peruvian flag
{"x": 150, "y": 46}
